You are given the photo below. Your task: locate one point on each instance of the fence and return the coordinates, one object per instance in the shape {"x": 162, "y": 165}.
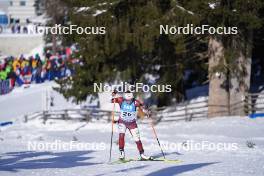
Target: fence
{"x": 184, "y": 111}
{"x": 254, "y": 103}
{"x": 84, "y": 114}
{"x": 188, "y": 110}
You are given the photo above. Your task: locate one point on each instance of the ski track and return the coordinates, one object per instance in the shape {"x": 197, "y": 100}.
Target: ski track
{"x": 17, "y": 159}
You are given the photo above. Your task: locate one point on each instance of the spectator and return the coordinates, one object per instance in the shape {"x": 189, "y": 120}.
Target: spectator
{"x": 24, "y": 70}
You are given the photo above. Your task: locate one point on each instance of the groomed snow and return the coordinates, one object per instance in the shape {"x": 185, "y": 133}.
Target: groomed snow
{"x": 18, "y": 159}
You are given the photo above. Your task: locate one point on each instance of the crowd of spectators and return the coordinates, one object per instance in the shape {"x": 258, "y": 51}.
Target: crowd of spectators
{"x": 36, "y": 69}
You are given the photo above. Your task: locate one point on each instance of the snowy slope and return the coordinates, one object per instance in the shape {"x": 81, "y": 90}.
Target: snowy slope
{"x": 23, "y": 101}
{"x": 18, "y": 159}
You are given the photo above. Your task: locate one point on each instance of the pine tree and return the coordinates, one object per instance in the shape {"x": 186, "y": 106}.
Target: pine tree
{"x": 229, "y": 55}
{"x": 56, "y": 11}
{"x": 132, "y": 45}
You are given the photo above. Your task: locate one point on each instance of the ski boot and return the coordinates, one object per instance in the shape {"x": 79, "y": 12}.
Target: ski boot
{"x": 122, "y": 155}
{"x": 145, "y": 158}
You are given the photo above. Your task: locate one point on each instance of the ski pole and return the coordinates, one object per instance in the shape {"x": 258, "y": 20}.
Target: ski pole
{"x": 156, "y": 136}
{"x": 112, "y": 133}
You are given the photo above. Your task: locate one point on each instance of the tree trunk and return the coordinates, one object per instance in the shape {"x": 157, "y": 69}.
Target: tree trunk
{"x": 218, "y": 93}
{"x": 240, "y": 82}
{"x": 240, "y": 85}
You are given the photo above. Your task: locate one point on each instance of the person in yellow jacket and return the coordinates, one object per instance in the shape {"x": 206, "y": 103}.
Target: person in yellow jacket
{"x": 34, "y": 63}
{"x": 16, "y": 64}
{"x": 24, "y": 63}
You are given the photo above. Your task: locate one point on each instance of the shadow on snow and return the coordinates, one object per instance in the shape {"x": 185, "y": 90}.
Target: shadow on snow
{"x": 166, "y": 154}
{"x": 40, "y": 160}
{"x": 174, "y": 170}
{"x": 123, "y": 170}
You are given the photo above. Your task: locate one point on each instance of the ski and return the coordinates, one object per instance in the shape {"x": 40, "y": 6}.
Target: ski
{"x": 122, "y": 161}
{"x": 154, "y": 159}
{"x": 171, "y": 161}
{"x": 164, "y": 160}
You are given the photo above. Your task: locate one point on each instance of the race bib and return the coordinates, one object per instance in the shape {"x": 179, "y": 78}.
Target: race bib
{"x": 128, "y": 111}
{"x": 128, "y": 116}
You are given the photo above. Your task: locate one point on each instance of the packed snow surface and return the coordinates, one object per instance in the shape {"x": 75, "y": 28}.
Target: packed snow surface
{"x": 242, "y": 137}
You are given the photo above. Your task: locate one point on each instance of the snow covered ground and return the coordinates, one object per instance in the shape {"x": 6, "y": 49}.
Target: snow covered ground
{"x": 242, "y": 138}
{"x": 22, "y": 101}
{"x": 219, "y": 146}
{"x": 35, "y": 98}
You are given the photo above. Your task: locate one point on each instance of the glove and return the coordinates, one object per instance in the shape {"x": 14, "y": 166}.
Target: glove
{"x": 114, "y": 121}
